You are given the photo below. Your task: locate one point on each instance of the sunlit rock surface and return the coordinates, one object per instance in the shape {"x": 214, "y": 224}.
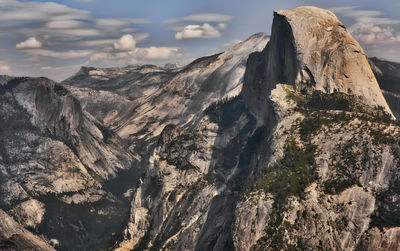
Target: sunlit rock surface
{"x": 277, "y": 143}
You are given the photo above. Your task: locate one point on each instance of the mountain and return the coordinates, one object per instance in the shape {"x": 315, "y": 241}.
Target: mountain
{"x": 65, "y": 170}
{"x": 388, "y": 75}
{"x": 55, "y": 161}
{"x": 283, "y": 142}
{"x": 289, "y": 163}
{"x": 156, "y": 97}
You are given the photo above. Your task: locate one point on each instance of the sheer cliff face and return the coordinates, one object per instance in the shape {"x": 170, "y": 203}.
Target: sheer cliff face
{"x": 286, "y": 151}
{"x": 321, "y": 188}
{"x": 311, "y": 45}
{"x": 282, "y": 165}
{"x": 388, "y": 76}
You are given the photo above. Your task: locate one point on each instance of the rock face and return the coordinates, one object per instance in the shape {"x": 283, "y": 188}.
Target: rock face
{"x": 311, "y": 50}
{"x": 55, "y": 155}
{"x": 14, "y": 237}
{"x": 388, "y": 76}
{"x": 29, "y": 213}
{"x": 293, "y": 183}
{"x": 323, "y": 183}
{"x": 284, "y": 149}
{"x": 65, "y": 172}
{"x": 156, "y": 97}
{"x": 309, "y": 44}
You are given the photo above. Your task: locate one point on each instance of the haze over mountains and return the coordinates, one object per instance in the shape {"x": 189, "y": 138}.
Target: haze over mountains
{"x": 281, "y": 142}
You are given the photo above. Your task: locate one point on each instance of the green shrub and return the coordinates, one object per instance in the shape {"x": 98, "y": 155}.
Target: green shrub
{"x": 311, "y": 125}
{"x": 330, "y": 101}
{"x": 290, "y": 175}
{"x": 226, "y": 111}
{"x": 346, "y": 170}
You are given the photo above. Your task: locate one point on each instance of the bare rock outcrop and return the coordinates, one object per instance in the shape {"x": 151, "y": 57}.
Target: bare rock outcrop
{"x": 14, "y": 237}
{"x": 310, "y": 45}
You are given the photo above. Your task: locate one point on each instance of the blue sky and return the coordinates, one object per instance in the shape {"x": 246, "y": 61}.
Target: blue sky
{"x": 54, "y": 39}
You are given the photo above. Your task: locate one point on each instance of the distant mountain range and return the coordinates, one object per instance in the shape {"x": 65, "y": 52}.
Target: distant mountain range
{"x": 283, "y": 142}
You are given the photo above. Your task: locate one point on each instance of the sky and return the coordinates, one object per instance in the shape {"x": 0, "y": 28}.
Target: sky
{"x": 55, "y": 38}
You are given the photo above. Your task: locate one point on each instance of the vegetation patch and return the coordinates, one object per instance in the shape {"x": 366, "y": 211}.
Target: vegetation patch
{"x": 274, "y": 237}
{"x": 311, "y": 125}
{"x": 380, "y": 137}
{"x": 291, "y": 174}
{"x": 388, "y": 212}
{"x": 346, "y": 168}
{"x": 177, "y": 149}
{"x": 226, "y": 111}
{"x": 309, "y": 101}
{"x": 331, "y": 114}
{"x": 330, "y": 101}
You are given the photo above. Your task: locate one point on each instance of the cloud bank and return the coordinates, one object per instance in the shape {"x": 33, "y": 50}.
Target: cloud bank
{"x": 378, "y": 34}
{"x": 202, "y": 17}
{"x": 209, "y": 25}
{"x": 200, "y": 31}
{"x": 53, "y": 39}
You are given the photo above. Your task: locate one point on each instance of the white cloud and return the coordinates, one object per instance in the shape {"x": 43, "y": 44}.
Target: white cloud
{"x": 202, "y": 17}
{"x": 138, "y": 54}
{"x": 125, "y": 43}
{"x": 79, "y": 33}
{"x": 16, "y": 11}
{"x": 152, "y": 54}
{"x": 372, "y": 16}
{"x": 67, "y": 33}
{"x": 210, "y": 25}
{"x": 64, "y": 24}
{"x": 50, "y": 68}
{"x": 353, "y": 12}
{"x": 222, "y": 26}
{"x": 56, "y": 38}
{"x": 30, "y": 43}
{"x": 84, "y": 1}
{"x": 119, "y": 22}
{"x": 369, "y": 33}
{"x": 59, "y": 54}
{"x": 59, "y": 23}
{"x": 177, "y": 27}
{"x": 194, "y": 31}
{"x": 94, "y": 43}
{"x": 4, "y": 68}
{"x": 378, "y": 34}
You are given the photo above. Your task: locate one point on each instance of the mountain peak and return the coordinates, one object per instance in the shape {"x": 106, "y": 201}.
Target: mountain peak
{"x": 308, "y": 15}
{"x": 310, "y": 45}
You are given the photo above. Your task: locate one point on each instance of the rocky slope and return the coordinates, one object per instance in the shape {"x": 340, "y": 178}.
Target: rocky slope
{"x": 65, "y": 172}
{"x": 55, "y": 156}
{"x": 334, "y": 163}
{"x": 161, "y": 96}
{"x": 292, "y": 147}
{"x": 15, "y": 237}
{"x": 334, "y": 153}
{"x": 279, "y": 166}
